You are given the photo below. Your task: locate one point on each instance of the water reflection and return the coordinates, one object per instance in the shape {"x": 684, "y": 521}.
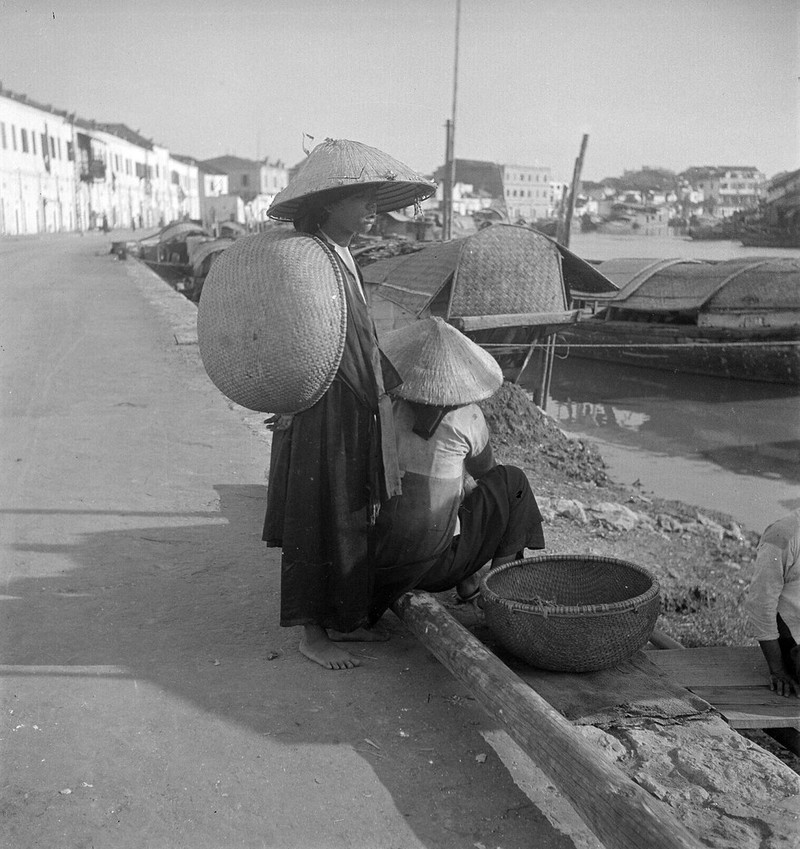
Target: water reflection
{"x": 726, "y": 445}
{"x": 748, "y": 428}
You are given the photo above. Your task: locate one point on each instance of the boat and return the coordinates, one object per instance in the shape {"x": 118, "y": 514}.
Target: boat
{"x": 507, "y": 287}
{"x": 770, "y": 238}
{"x": 736, "y": 319}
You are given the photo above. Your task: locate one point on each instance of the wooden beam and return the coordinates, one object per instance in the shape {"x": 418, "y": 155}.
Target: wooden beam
{"x": 522, "y": 319}
{"x": 621, "y": 813}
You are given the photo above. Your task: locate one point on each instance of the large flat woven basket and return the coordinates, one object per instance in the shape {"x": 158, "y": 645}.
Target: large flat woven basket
{"x": 571, "y": 613}
{"x": 272, "y": 320}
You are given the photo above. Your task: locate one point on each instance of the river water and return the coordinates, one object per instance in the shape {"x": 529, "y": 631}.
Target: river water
{"x": 728, "y": 445}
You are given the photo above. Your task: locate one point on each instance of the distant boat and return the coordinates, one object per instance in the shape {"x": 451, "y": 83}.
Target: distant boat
{"x": 770, "y": 239}
{"x": 737, "y": 319}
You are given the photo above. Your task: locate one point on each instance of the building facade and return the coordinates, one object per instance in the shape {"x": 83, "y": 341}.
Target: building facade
{"x": 60, "y": 173}
{"x": 37, "y": 168}
{"x": 726, "y": 189}
{"x": 527, "y": 192}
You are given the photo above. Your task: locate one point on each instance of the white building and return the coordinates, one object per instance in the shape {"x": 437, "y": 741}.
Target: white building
{"x": 37, "y": 168}
{"x": 527, "y": 192}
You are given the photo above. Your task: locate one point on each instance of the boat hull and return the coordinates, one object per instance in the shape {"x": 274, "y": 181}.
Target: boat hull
{"x": 768, "y": 355}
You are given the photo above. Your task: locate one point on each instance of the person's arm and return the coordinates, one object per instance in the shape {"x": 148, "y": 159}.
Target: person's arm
{"x": 762, "y": 608}
{"x": 481, "y": 463}
{"x": 780, "y": 679}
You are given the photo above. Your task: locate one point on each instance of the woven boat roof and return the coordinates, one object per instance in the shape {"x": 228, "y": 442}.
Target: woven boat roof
{"x": 683, "y": 285}
{"x": 503, "y": 269}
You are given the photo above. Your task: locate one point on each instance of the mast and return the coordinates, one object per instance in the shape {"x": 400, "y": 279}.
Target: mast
{"x": 565, "y": 225}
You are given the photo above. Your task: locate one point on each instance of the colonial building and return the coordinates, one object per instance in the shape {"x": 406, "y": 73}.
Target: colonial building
{"x": 527, "y": 192}
{"x": 523, "y": 189}
{"x": 60, "y": 172}
{"x": 249, "y": 178}
{"x": 726, "y": 189}
{"x": 37, "y": 167}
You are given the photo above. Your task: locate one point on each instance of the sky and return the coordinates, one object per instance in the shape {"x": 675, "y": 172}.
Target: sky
{"x": 657, "y": 83}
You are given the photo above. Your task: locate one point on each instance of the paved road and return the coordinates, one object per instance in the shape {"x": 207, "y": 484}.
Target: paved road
{"x": 148, "y": 697}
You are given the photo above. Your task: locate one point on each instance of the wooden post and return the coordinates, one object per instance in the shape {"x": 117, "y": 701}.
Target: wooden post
{"x": 565, "y": 225}
{"x": 618, "y": 811}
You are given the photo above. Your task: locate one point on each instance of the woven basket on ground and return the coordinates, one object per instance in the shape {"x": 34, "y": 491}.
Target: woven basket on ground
{"x": 571, "y": 613}
{"x": 272, "y": 320}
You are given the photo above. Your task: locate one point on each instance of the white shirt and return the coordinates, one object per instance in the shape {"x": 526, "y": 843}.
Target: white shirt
{"x": 775, "y": 587}
{"x": 347, "y": 258}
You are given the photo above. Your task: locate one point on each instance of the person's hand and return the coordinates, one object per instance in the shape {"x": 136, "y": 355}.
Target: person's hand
{"x": 279, "y": 422}
{"x": 783, "y": 684}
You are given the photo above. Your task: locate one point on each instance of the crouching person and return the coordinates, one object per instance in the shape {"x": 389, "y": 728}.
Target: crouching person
{"x": 459, "y": 509}
{"x": 773, "y": 602}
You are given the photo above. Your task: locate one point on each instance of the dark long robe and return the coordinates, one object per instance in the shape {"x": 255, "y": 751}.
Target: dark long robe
{"x": 326, "y": 483}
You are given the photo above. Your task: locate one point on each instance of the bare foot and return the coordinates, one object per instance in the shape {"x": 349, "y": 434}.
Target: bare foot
{"x": 467, "y": 590}
{"x": 376, "y": 634}
{"x": 317, "y": 646}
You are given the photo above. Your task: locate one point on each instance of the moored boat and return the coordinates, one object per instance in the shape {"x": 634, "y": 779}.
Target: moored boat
{"x": 506, "y": 287}
{"x": 736, "y": 319}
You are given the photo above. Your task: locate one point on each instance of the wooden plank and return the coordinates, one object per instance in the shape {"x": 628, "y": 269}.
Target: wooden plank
{"x": 753, "y": 707}
{"x": 522, "y": 319}
{"x": 722, "y": 666}
{"x": 621, "y": 813}
{"x": 629, "y": 691}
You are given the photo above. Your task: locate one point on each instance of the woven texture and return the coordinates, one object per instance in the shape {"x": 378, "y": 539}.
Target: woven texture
{"x": 505, "y": 269}
{"x": 439, "y": 365}
{"x": 571, "y": 613}
{"x": 272, "y": 320}
{"x": 340, "y": 163}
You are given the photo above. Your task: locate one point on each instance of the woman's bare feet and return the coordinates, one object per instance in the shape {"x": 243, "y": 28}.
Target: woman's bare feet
{"x": 316, "y": 645}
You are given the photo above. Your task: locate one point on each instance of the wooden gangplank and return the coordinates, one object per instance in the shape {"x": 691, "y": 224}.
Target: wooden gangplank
{"x": 735, "y": 680}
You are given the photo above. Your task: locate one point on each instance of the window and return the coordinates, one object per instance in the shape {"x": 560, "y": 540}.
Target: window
{"x": 3, "y": 135}
{"x": 14, "y": 136}
{"x": 33, "y": 141}
{"x": 23, "y": 135}
{"x": 70, "y": 152}
{"x": 58, "y": 148}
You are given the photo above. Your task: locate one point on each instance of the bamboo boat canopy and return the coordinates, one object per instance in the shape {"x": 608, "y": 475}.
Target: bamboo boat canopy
{"x": 682, "y": 285}
{"x": 501, "y": 270}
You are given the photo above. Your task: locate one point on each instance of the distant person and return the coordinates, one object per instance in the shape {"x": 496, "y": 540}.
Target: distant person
{"x": 105, "y": 228}
{"x": 773, "y": 602}
{"x": 438, "y": 534}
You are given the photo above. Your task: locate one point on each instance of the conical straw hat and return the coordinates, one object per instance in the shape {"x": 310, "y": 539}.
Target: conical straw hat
{"x": 339, "y": 163}
{"x": 439, "y": 365}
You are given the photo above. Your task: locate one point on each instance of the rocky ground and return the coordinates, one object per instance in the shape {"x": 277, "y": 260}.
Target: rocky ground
{"x": 703, "y": 560}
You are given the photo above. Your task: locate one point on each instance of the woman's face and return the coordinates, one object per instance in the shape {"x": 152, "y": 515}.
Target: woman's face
{"x": 355, "y": 213}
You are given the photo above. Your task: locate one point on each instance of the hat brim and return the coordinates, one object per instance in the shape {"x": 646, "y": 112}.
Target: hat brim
{"x": 341, "y": 164}
{"x": 439, "y": 365}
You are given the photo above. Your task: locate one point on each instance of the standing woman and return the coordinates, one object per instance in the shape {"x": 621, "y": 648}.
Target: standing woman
{"x": 333, "y": 464}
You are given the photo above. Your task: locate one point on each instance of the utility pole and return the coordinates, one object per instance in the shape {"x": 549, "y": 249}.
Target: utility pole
{"x": 450, "y": 161}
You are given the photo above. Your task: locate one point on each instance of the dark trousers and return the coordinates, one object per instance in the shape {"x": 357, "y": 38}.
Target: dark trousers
{"x": 500, "y": 517}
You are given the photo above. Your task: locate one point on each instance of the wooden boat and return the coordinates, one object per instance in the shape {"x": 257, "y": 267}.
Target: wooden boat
{"x": 770, "y": 238}
{"x": 506, "y": 287}
{"x": 736, "y": 319}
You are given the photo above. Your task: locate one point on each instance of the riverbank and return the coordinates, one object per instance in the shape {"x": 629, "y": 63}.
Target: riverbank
{"x": 702, "y": 559}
